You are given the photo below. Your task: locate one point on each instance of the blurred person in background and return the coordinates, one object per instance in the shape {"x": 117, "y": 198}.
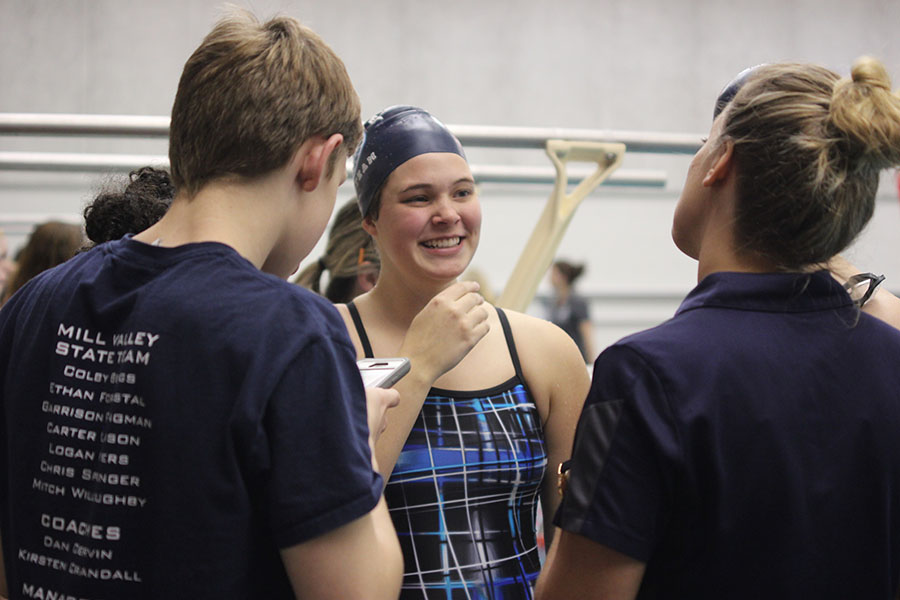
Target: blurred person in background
{"x": 49, "y": 245}
{"x": 6, "y": 265}
{"x": 568, "y": 310}
{"x": 118, "y": 210}
{"x": 350, "y": 259}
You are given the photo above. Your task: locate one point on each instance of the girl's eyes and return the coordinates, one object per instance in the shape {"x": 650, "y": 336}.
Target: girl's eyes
{"x": 420, "y": 198}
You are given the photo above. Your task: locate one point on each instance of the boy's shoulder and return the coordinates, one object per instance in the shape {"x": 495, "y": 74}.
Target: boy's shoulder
{"x": 204, "y": 286}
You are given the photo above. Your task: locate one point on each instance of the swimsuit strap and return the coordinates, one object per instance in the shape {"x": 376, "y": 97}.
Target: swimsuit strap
{"x": 504, "y": 322}
{"x": 510, "y": 343}
{"x": 360, "y": 330}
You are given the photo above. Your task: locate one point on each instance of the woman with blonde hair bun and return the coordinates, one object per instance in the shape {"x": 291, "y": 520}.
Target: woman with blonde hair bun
{"x": 749, "y": 447}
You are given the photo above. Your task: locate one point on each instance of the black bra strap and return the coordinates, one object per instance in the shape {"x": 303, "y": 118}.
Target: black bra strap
{"x": 510, "y": 343}
{"x": 360, "y": 330}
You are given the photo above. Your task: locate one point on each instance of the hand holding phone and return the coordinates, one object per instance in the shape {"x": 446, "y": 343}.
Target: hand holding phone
{"x": 382, "y": 372}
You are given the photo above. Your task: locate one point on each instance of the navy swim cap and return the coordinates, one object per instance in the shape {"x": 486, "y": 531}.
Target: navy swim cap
{"x": 391, "y": 138}
{"x": 731, "y": 90}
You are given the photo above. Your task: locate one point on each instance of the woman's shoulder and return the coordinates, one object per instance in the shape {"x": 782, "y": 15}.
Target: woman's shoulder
{"x": 551, "y": 362}
{"x": 542, "y": 346}
{"x": 344, "y": 311}
{"x": 352, "y": 330}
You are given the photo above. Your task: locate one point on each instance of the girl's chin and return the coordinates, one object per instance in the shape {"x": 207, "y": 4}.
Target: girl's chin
{"x": 445, "y": 272}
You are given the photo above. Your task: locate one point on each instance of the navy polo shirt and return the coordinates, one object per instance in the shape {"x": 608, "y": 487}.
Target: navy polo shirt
{"x": 749, "y": 447}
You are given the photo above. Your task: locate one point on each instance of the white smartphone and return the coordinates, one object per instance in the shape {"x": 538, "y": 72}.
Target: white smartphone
{"x": 382, "y": 372}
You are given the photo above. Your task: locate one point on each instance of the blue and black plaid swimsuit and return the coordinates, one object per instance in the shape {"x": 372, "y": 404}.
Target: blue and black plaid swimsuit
{"x": 463, "y": 493}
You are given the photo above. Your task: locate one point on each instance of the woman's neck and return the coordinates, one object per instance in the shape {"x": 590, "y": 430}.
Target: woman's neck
{"x": 715, "y": 259}
{"x": 719, "y": 248}
{"x": 397, "y": 301}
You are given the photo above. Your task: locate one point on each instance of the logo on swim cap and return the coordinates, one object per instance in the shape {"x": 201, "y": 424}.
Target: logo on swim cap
{"x": 364, "y": 166}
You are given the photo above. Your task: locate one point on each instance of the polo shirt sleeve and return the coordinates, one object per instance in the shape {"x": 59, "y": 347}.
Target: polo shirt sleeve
{"x": 625, "y": 458}
{"x": 321, "y": 474}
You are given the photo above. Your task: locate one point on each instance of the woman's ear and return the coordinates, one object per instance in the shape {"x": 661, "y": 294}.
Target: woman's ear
{"x": 368, "y": 224}
{"x": 722, "y": 165}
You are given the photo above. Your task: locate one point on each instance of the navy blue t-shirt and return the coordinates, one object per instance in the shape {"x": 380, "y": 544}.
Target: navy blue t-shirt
{"x": 171, "y": 417}
{"x": 749, "y": 447}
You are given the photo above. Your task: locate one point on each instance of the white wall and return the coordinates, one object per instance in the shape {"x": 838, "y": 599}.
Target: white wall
{"x": 646, "y": 65}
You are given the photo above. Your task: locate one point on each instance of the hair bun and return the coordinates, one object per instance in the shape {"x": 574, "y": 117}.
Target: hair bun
{"x": 869, "y": 71}
{"x": 867, "y": 114}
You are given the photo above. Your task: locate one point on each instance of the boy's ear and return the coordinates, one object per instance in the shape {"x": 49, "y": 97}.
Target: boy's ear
{"x": 311, "y": 159}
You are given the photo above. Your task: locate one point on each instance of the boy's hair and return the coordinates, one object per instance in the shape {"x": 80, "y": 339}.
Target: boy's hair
{"x": 251, "y": 94}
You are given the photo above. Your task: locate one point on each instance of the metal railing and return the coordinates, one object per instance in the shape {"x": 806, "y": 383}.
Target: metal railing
{"x": 489, "y": 136}
{"x": 49, "y": 124}
{"x": 73, "y": 162}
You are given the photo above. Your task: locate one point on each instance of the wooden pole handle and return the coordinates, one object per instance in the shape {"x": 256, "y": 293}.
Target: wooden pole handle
{"x": 551, "y": 226}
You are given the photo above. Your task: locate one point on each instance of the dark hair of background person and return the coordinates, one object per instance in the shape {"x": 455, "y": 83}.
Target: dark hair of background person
{"x": 115, "y": 213}
{"x": 50, "y": 244}
{"x": 809, "y": 148}
{"x": 349, "y": 252}
{"x": 570, "y": 271}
